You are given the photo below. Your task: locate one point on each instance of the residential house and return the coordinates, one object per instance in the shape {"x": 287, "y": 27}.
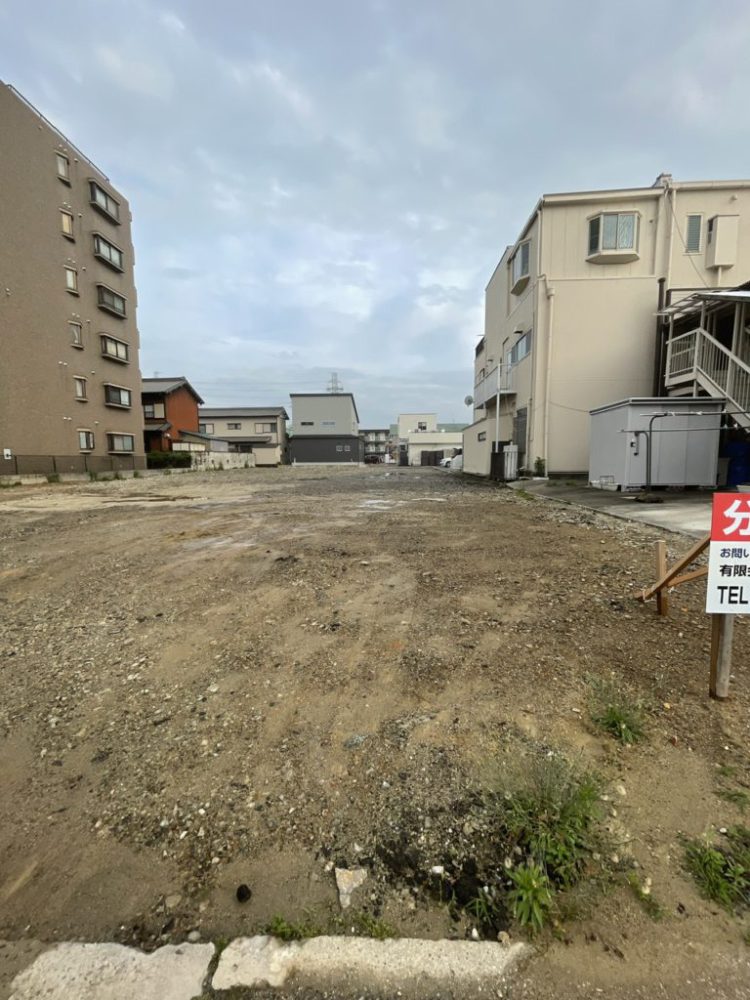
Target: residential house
{"x": 326, "y": 428}
{"x": 424, "y": 441}
{"x": 571, "y": 310}
{"x": 376, "y": 442}
{"x": 170, "y": 412}
{"x": 69, "y": 377}
{"x": 260, "y": 430}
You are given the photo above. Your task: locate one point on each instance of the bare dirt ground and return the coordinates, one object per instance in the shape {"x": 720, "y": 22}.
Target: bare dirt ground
{"x": 253, "y": 677}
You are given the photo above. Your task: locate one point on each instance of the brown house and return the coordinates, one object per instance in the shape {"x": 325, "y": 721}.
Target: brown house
{"x": 170, "y": 409}
{"x": 69, "y": 378}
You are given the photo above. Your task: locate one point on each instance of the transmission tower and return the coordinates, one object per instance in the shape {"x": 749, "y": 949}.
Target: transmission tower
{"x": 334, "y": 385}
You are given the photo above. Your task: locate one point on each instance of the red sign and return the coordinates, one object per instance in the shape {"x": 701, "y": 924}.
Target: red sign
{"x": 730, "y": 521}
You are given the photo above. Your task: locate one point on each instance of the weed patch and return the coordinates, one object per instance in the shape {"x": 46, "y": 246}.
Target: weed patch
{"x": 722, "y": 873}
{"x": 644, "y": 897}
{"x": 616, "y": 711}
{"x": 287, "y": 930}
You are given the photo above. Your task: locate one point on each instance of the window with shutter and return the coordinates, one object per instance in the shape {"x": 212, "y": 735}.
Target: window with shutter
{"x": 693, "y": 234}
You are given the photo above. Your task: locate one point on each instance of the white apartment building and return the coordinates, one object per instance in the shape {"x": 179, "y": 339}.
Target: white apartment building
{"x": 571, "y": 310}
{"x": 420, "y": 433}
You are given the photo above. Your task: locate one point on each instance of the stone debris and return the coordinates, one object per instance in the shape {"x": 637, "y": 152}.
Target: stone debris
{"x": 347, "y": 880}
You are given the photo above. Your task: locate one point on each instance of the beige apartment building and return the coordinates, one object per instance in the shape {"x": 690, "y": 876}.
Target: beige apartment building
{"x": 571, "y": 310}
{"x": 70, "y": 384}
{"x": 257, "y": 430}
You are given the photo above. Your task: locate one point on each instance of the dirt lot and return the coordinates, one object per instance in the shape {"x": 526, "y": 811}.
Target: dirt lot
{"x": 253, "y": 677}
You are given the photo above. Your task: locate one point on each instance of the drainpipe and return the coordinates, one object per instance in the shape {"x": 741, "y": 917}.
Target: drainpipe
{"x": 497, "y": 413}
{"x": 547, "y": 375}
{"x": 659, "y": 351}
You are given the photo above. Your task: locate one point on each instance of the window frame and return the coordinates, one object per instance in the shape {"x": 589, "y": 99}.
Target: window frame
{"x": 98, "y": 240}
{"x": 699, "y": 248}
{"x": 111, "y": 435}
{"x": 234, "y": 425}
{"x": 103, "y": 207}
{"x": 71, "y": 289}
{"x": 89, "y": 437}
{"x": 519, "y": 277}
{"x": 75, "y": 341}
{"x": 81, "y": 382}
{"x": 264, "y": 427}
{"x": 120, "y": 388}
{"x": 616, "y": 254}
{"x": 64, "y": 177}
{"x": 481, "y": 435}
{"x": 114, "y": 357}
{"x": 69, "y": 235}
{"x": 203, "y": 428}
{"x": 524, "y": 341}
{"x": 154, "y": 415}
{"x": 105, "y": 306}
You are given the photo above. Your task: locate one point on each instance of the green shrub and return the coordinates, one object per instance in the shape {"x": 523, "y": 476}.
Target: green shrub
{"x": 618, "y": 712}
{"x": 53, "y": 477}
{"x": 539, "y": 467}
{"x": 168, "y": 459}
{"x": 93, "y": 476}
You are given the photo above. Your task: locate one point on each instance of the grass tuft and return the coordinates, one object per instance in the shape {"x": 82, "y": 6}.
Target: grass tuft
{"x": 722, "y": 874}
{"x": 616, "y": 711}
{"x": 287, "y": 930}
{"x": 644, "y": 897}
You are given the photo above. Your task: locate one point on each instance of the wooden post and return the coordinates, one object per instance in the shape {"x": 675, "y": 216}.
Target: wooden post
{"x": 662, "y": 600}
{"x": 722, "y": 632}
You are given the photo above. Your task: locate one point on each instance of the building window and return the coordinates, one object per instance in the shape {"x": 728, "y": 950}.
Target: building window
{"x": 108, "y": 252}
{"x": 521, "y": 348}
{"x": 693, "y": 234}
{"x": 118, "y": 350}
{"x": 104, "y": 202}
{"x": 120, "y": 442}
{"x": 520, "y": 264}
{"x": 307, "y": 423}
{"x": 66, "y": 223}
{"x": 234, "y": 427}
{"x": 206, "y": 428}
{"x": 347, "y": 447}
{"x": 115, "y": 395}
{"x": 482, "y": 436}
{"x": 110, "y": 301}
{"x": 86, "y": 440}
{"x": 80, "y": 387}
{"x": 76, "y": 334}
{"x": 63, "y": 167}
{"x": 710, "y": 230}
{"x": 421, "y": 426}
{"x": 264, "y": 428}
{"x": 612, "y": 231}
{"x": 339, "y": 447}
{"x": 71, "y": 280}
{"x": 153, "y": 411}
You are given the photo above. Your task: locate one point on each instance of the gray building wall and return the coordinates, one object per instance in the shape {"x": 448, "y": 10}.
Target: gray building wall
{"x": 39, "y": 411}
{"x": 324, "y": 413}
{"x": 339, "y": 449}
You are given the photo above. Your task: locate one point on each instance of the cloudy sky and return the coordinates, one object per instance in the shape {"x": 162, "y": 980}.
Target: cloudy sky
{"x": 325, "y": 185}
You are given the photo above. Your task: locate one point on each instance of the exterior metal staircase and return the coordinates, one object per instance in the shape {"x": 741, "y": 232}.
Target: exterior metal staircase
{"x": 697, "y": 357}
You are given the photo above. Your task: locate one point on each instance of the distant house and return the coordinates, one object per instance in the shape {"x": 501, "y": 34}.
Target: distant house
{"x": 170, "y": 409}
{"x": 424, "y": 441}
{"x": 259, "y": 430}
{"x": 326, "y": 428}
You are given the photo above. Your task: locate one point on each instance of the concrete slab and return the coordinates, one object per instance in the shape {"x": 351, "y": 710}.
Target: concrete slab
{"x": 113, "y": 972}
{"x": 686, "y": 512}
{"x": 414, "y": 966}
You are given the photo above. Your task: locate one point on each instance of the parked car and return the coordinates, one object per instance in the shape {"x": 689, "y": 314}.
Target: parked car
{"x": 372, "y": 459}
{"x": 445, "y": 463}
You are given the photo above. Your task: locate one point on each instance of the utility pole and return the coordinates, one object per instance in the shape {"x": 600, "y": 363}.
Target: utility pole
{"x": 334, "y": 385}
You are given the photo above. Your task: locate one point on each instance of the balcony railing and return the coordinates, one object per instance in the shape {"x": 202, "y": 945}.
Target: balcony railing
{"x": 499, "y": 379}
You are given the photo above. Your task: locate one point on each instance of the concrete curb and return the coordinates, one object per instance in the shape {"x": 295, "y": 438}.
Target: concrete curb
{"x": 114, "y": 972}
{"x": 420, "y": 968}
{"x": 345, "y": 965}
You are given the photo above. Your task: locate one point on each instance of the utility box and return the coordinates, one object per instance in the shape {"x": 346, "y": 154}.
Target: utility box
{"x": 653, "y": 441}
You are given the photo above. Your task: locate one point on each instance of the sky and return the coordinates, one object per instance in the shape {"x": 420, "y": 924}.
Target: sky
{"x": 327, "y": 185}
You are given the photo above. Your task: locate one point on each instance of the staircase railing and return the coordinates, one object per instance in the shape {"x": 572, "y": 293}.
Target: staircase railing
{"x": 698, "y": 355}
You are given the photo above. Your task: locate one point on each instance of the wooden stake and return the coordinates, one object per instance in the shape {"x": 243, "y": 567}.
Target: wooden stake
{"x": 722, "y": 632}
{"x": 662, "y": 599}
{"x": 666, "y": 578}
